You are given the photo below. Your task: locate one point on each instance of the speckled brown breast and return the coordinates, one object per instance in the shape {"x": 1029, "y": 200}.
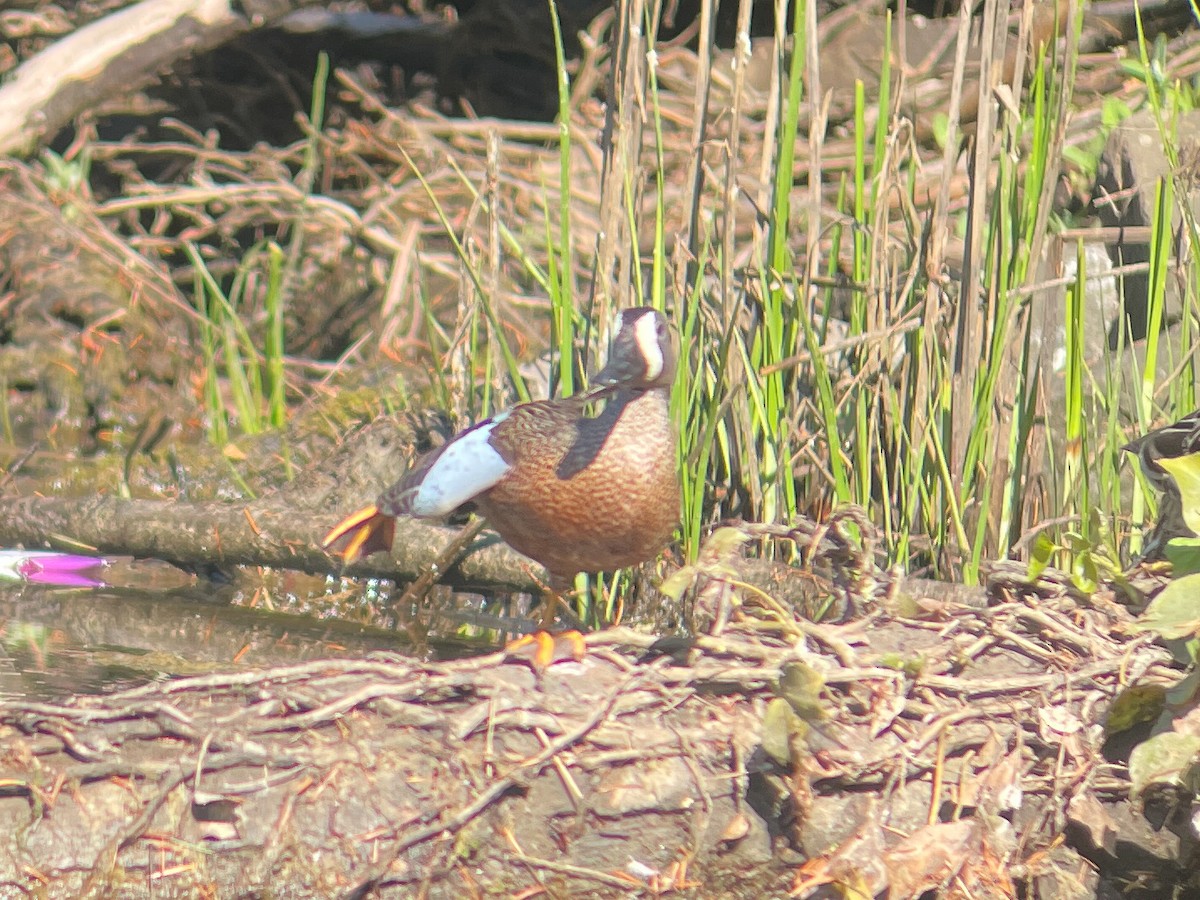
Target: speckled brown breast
{"x": 587, "y": 494}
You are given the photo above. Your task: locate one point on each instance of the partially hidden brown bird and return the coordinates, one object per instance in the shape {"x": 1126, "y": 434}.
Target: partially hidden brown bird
{"x": 575, "y": 492}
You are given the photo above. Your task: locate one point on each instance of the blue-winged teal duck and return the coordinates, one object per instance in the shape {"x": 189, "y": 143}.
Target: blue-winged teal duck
{"x": 576, "y": 493}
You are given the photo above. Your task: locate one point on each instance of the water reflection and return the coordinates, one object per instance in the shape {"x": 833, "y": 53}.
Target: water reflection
{"x": 55, "y": 642}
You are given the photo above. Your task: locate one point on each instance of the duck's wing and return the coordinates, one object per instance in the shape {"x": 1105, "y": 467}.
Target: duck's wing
{"x": 466, "y": 466}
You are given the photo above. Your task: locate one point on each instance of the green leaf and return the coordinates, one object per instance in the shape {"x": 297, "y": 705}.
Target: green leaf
{"x": 1175, "y": 610}
{"x": 1163, "y": 759}
{"x": 678, "y": 581}
{"x": 1183, "y": 553}
{"x": 1084, "y": 574}
{"x": 1186, "y": 472}
{"x": 801, "y": 685}
{"x": 911, "y": 666}
{"x": 715, "y": 561}
{"x": 1137, "y": 703}
{"x": 1040, "y": 555}
{"x": 1184, "y": 693}
{"x": 724, "y": 543}
{"x": 779, "y": 724}
{"x": 1113, "y": 112}
{"x": 905, "y": 606}
{"x": 941, "y": 128}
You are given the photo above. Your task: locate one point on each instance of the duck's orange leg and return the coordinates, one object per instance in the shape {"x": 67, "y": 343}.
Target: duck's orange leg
{"x": 543, "y": 649}
{"x": 548, "y": 648}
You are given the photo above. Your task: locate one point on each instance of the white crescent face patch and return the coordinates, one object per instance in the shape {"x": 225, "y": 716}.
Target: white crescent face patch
{"x": 465, "y": 469}
{"x": 645, "y": 335}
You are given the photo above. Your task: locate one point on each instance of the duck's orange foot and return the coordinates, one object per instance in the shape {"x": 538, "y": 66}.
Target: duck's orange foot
{"x": 542, "y": 649}
{"x": 368, "y": 529}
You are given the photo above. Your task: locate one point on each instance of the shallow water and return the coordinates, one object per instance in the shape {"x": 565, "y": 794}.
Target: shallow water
{"x": 58, "y": 641}
{"x": 154, "y": 621}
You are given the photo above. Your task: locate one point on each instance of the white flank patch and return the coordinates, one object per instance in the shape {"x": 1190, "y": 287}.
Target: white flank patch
{"x": 645, "y": 334}
{"x": 467, "y": 467}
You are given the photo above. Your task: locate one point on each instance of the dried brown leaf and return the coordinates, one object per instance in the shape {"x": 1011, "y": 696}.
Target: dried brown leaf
{"x": 930, "y": 857}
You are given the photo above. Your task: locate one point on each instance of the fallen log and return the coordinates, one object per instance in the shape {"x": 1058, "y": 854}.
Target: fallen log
{"x": 258, "y": 533}
{"x": 114, "y": 55}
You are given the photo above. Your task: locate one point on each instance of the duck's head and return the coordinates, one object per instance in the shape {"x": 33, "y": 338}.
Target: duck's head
{"x": 644, "y": 352}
